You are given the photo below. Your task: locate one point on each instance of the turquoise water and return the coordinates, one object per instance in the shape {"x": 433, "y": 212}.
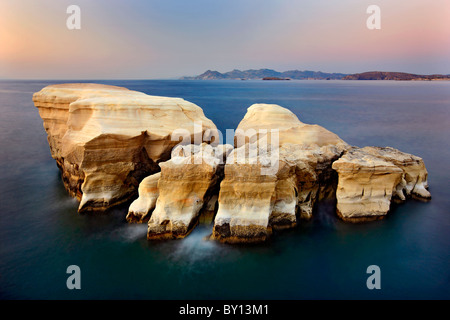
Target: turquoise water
{"x": 41, "y": 233}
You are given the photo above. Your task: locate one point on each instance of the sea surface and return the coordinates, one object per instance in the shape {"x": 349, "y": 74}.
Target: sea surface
{"x": 41, "y": 233}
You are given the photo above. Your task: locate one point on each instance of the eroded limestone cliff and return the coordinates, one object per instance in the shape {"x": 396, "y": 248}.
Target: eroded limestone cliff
{"x": 187, "y": 183}
{"x": 106, "y": 139}
{"x": 371, "y": 177}
{"x": 279, "y": 169}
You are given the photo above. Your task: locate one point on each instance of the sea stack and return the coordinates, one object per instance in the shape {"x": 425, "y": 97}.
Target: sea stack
{"x": 187, "y": 182}
{"x": 268, "y": 183}
{"x": 106, "y": 139}
{"x": 114, "y": 145}
{"x": 370, "y": 177}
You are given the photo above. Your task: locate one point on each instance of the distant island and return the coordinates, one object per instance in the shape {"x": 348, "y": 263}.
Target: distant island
{"x": 266, "y": 73}
{"x": 269, "y": 74}
{"x": 379, "y": 75}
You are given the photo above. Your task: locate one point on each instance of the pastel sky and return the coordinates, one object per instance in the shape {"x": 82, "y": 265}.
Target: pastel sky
{"x": 131, "y": 39}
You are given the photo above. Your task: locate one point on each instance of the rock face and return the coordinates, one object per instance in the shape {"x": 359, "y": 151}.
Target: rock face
{"x": 246, "y": 200}
{"x": 187, "y": 183}
{"x": 270, "y": 177}
{"x": 366, "y": 184}
{"x": 148, "y": 194}
{"x": 106, "y": 139}
{"x": 369, "y": 178}
{"x": 415, "y": 176}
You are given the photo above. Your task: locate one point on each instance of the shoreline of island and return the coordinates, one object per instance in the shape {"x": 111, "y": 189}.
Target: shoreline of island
{"x": 270, "y": 75}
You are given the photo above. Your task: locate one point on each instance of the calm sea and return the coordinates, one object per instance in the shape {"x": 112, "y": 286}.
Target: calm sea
{"x": 41, "y": 233}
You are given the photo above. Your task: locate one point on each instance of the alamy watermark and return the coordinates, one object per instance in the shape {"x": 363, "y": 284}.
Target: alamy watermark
{"x": 74, "y": 280}
{"x": 374, "y": 280}
{"x": 373, "y": 22}
{"x": 73, "y": 22}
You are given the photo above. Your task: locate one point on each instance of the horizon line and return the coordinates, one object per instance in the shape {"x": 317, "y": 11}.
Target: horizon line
{"x": 180, "y": 77}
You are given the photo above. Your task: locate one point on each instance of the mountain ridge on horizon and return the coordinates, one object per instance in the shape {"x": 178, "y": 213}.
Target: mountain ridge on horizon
{"x": 258, "y": 74}
{"x": 254, "y": 74}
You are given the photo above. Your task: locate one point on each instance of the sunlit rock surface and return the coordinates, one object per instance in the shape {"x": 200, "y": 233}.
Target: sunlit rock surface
{"x": 106, "y": 139}
{"x": 273, "y": 176}
{"x": 187, "y": 183}
{"x": 114, "y": 145}
{"x": 370, "y": 177}
{"x": 141, "y": 208}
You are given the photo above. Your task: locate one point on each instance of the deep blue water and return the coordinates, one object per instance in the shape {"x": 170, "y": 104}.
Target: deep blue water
{"x": 41, "y": 233}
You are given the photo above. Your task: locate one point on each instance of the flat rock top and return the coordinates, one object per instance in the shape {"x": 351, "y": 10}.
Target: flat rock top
{"x": 391, "y": 154}
{"x": 99, "y": 96}
{"x": 358, "y": 159}
{"x": 70, "y": 92}
{"x": 90, "y": 110}
{"x": 85, "y": 86}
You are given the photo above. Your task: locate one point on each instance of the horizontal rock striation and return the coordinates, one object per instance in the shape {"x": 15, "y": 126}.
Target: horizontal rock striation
{"x": 415, "y": 176}
{"x": 271, "y": 177}
{"x": 106, "y": 139}
{"x": 370, "y": 177}
{"x": 365, "y": 187}
{"x": 187, "y": 183}
{"x": 246, "y": 199}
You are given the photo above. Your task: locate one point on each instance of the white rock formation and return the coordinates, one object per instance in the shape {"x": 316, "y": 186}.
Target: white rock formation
{"x": 254, "y": 199}
{"x": 106, "y": 139}
{"x": 369, "y": 178}
{"x": 141, "y": 208}
{"x": 188, "y": 181}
